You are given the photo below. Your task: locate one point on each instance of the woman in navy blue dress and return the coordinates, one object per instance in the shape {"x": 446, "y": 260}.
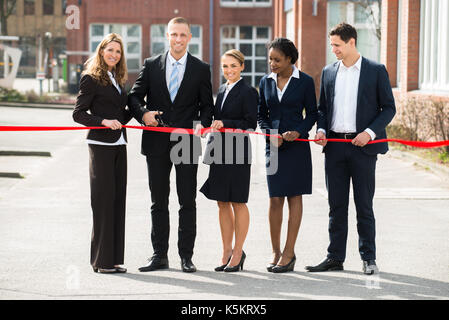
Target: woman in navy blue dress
{"x": 230, "y": 159}
{"x": 284, "y": 95}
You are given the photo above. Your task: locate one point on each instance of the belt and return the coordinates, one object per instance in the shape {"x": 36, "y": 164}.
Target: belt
{"x": 340, "y": 135}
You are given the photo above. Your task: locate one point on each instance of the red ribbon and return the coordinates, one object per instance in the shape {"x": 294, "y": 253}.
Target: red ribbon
{"x": 417, "y": 144}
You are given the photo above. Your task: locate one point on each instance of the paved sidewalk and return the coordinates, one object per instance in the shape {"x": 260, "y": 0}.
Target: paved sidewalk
{"x": 45, "y": 226}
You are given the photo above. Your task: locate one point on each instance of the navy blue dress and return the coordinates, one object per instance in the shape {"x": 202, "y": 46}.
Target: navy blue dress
{"x": 289, "y": 167}
{"x": 229, "y": 177}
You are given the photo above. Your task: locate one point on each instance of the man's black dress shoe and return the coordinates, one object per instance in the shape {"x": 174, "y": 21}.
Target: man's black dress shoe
{"x": 327, "y": 265}
{"x": 155, "y": 263}
{"x": 187, "y": 265}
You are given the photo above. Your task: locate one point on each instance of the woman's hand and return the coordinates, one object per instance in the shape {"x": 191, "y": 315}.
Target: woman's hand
{"x": 291, "y": 135}
{"x": 113, "y": 124}
{"x": 217, "y": 124}
{"x": 276, "y": 141}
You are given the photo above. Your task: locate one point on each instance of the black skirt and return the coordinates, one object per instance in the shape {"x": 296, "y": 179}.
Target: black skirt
{"x": 289, "y": 171}
{"x": 228, "y": 183}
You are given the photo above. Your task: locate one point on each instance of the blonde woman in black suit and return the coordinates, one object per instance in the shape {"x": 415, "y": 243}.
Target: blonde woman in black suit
{"x": 102, "y": 101}
{"x": 228, "y": 181}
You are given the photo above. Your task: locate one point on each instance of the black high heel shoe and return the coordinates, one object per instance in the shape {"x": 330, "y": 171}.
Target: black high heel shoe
{"x": 237, "y": 267}
{"x": 288, "y": 267}
{"x": 221, "y": 268}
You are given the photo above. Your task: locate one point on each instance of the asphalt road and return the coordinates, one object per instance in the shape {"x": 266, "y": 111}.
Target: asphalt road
{"x": 45, "y": 226}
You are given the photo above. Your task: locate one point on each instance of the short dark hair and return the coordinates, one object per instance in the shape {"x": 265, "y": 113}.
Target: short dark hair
{"x": 286, "y": 46}
{"x": 345, "y": 31}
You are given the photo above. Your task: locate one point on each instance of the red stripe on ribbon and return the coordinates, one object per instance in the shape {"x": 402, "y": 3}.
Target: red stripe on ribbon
{"x": 417, "y": 144}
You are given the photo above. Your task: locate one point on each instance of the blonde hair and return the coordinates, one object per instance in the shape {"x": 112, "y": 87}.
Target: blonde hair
{"x": 97, "y": 68}
{"x": 179, "y": 20}
{"x": 236, "y": 54}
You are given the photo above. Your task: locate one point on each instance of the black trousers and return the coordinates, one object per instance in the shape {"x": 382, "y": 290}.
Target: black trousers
{"x": 343, "y": 162}
{"x": 108, "y": 177}
{"x": 159, "y": 168}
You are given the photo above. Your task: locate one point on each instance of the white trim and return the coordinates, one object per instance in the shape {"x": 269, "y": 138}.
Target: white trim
{"x": 434, "y": 46}
{"x": 246, "y": 4}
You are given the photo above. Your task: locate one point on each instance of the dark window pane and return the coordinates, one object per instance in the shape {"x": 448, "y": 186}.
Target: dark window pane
{"x": 133, "y": 64}
{"x": 262, "y": 33}
{"x": 248, "y": 66}
{"x": 157, "y": 48}
{"x": 261, "y": 66}
{"x": 261, "y": 50}
{"x": 248, "y": 80}
{"x": 246, "y": 32}
{"x": 246, "y": 49}
{"x": 227, "y": 46}
{"x": 258, "y": 80}
{"x": 49, "y": 6}
{"x": 28, "y": 7}
{"x": 195, "y": 30}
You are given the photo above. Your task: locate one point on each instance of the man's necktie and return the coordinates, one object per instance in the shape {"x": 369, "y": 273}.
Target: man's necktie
{"x": 173, "y": 84}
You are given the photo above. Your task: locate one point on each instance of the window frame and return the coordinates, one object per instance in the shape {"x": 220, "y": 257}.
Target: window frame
{"x": 253, "y": 58}
{"x": 125, "y": 37}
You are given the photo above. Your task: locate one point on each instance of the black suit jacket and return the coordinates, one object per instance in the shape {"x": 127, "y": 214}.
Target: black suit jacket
{"x": 287, "y": 114}
{"x": 239, "y": 111}
{"x": 193, "y": 101}
{"x": 375, "y": 102}
{"x": 102, "y": 102}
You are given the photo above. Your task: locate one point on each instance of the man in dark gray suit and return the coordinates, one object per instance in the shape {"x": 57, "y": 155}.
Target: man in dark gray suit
{"x": 356, "y": 102}
{"x": 178, "y": 92}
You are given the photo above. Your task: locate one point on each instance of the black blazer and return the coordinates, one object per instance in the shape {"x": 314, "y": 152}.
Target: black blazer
{"x": 193, "y": 101}
{"x": 375, "y": 102}
{"x": 102, "y": 102}
{"x": 287, "y": 114}
{"x": 239, "y": 112}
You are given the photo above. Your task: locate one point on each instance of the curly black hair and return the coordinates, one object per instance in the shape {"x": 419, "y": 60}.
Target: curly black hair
{"x": 286, "y": 46}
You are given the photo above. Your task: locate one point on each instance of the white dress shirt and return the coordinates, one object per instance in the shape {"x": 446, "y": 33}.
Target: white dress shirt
{"x": 121, "y": 140}
{"x": 228, "y": 88}
{"x": 274, "y": 76}
{"x": 345, "y": 99}
{"x": 170, "y": 63}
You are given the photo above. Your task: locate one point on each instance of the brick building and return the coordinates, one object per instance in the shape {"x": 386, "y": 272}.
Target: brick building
{"x": 37, "y": 23}
{"x": 411, "y": 37}
{"x": 217, "y": 25}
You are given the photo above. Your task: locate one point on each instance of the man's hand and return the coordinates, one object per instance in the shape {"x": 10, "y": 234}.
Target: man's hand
{"x": 198, "y": 128}
{"x": 291, "y": 135}
{"x": 276, "y": 141}
{"x": 361, "y": 139}
{"x": 321, "y": 137}
{"x": 149, "y": 118}
{"x": 113, "y": 124}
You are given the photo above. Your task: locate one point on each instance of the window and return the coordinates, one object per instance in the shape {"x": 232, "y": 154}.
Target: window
{"x": 28, "y": 7}
{"x": 245, "y": 3}
{"x": 48, "y": 8}
{"x": 365, "y": 17}
{"x": 434, "y": 46}
{"x": 251, "y": 41}
{"x": 159, "y": 42}
{"x": 131, "y": 35}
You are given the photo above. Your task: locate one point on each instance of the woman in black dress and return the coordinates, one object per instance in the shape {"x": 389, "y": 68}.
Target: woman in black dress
{"x": 230, "y": 167}
{"x": 284, "y": 95}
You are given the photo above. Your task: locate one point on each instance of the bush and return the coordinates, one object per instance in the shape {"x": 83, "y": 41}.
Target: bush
{"x": 421, "y": 120}
{"x": 11, "y": 95}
